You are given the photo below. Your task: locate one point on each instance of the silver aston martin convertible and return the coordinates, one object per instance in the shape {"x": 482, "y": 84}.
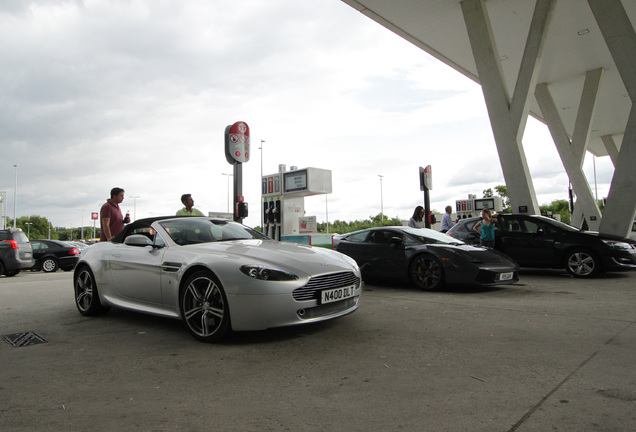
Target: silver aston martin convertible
{"x": 216, "y": 276}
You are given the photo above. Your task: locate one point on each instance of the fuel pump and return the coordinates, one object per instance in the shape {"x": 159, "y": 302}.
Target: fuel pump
{"x": 277, "y": 219}
{"x": 265, "y": 217}
{"x": 284, "y": 200}
{"x": 272, "y": 220}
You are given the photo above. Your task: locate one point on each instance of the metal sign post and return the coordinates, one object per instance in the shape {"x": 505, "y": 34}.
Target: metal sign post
{"x": 237, "y": 151}
{"x": 426, "y": 184}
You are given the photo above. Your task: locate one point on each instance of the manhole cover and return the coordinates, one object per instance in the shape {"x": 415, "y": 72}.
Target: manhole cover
{"x": 18, "y": 340}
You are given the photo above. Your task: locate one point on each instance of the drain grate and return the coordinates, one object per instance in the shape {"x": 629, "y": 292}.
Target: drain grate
{"x": 18, "y": 340}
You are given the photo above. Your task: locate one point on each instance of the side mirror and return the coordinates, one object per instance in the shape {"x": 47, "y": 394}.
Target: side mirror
{"x": 395, "y": 241}
{"x": 138, "y": 240}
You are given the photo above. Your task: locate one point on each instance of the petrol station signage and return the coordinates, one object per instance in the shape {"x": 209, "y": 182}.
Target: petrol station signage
{"x": 237, "y": 142}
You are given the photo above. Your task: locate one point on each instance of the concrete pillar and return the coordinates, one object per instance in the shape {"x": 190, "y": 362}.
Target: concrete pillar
{"x": 508, "y": 116}
{"x": 573, "y": 153}
{"x": 620, "y": 38}
{"x": 610, "y": 146}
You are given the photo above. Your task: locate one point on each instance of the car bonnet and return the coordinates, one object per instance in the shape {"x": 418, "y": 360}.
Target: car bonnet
{"x": 290, "y": 256}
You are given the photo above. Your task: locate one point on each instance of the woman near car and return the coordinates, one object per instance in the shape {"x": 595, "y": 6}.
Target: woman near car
{"x": 417, "y": 221}
{"x": 486, "y": 227}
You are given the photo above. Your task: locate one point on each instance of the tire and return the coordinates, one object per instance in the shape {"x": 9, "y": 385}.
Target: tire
{"x": 204, "y": 307}
{"x": 11, "y": 273}
{"x": 2, "y": 268}
{"x": 426, "y": 273}
{"x": 86, "y": 294}
{"x": 49, "y": 265}
{"x": 582, "y": 263}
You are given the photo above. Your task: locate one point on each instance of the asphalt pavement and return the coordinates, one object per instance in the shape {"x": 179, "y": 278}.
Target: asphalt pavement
{"x": 550, "y": 353}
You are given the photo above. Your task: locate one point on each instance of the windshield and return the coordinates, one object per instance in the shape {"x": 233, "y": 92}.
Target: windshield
{"x": 429, "y": 236}
{"x": 558, "y": 224}
{"x": 199, "y": 230}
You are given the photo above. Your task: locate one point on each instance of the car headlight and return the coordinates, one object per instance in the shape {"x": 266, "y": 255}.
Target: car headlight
{"x": 617, "y": 244}
{"x": 466, "y": 255}
{"x": 262, "y": 272}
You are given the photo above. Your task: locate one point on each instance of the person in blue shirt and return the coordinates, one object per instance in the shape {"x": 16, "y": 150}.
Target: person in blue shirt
{"x": 447, "y": 220}
{"x": 486, "y": 227}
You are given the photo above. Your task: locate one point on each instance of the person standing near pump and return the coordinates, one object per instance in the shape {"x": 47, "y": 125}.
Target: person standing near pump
{"x": 417, "y": 220}
{"x": 447, "y": 220}
{"x": 486, "y": 227}
{"x": 189, "y": 209}
{"x": 111, "y": 219}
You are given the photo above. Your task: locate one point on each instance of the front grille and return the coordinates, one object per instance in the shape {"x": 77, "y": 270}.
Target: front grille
{"x": 318, "y": 283}
{"x": 328, "y": 309}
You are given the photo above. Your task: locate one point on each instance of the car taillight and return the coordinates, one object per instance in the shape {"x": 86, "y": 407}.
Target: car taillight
{"x": 13, "y": 243}
{"x": 74, "y": 251}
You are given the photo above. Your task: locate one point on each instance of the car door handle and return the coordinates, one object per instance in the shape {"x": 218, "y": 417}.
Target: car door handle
{"x": 116, "y": 255}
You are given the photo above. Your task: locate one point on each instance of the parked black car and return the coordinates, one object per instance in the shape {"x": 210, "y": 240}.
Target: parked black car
{"x": 53, "y": 254}
{"x": 427, "y": 258}
{"x": 15, "y": 252}
{"x": 539, "y": 241}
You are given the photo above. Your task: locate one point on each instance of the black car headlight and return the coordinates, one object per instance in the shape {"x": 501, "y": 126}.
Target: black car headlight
{"x": 617, "y": 244}
{"x": 262, "y": 272}
{"x": 465, "y": 255}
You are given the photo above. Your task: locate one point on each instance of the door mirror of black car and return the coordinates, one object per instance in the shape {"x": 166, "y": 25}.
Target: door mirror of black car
{"x": 395, "y": 241}
{"x": 138, "y": 240}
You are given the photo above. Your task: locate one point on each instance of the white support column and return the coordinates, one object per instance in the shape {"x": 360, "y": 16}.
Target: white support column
{"x": 508, "y": 118}
{"x": 620, "y": 38}
{"x": 610, "y": 146}
{"x": 573, "y": 153}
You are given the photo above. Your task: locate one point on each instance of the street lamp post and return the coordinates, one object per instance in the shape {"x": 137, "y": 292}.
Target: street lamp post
{"x": 262, "y": 216}
{"x": 15, "y": 196}
{"x": 134, "y": 206}
{"x": 28, "y": 224}
{"x": 381, "y": 198}
{"x": 228, "y": 190}
{"x": 82, "y": 229}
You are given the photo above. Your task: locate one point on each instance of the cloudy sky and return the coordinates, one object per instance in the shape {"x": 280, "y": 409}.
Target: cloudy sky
{"x": 137, "y": 94}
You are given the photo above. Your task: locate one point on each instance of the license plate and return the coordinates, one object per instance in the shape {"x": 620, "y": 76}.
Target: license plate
{"x": 506, "y": 276}
{"x": 337, "y": 294}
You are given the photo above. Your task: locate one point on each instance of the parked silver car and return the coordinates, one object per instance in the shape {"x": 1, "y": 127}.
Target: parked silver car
{"x": 216, "y": 276}
{"x": 16, "y": 253}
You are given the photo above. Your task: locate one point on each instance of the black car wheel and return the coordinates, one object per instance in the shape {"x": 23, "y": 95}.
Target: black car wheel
{"x": 11, "y": 273}
{"x": 86, "y": 296}
{"x": 204, "y": 307}
{"x": 1, "y": 268}
{"x": 426, "y": 273}
{"x": 49, "y": 265}
{"x": 582, "y": 263}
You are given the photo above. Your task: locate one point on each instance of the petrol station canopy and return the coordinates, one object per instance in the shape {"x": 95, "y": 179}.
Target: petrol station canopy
{"x": 574, "y": 45}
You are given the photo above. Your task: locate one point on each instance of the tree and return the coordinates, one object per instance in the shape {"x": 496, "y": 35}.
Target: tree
{"x": 557, "y": 207}
{"x": 343, "y": 227}
{"x": 502, "y": 192}
{"x": 37, "y": 227}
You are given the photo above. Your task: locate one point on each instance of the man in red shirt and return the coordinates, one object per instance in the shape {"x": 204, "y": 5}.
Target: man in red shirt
{"x": 112, "y": 221}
